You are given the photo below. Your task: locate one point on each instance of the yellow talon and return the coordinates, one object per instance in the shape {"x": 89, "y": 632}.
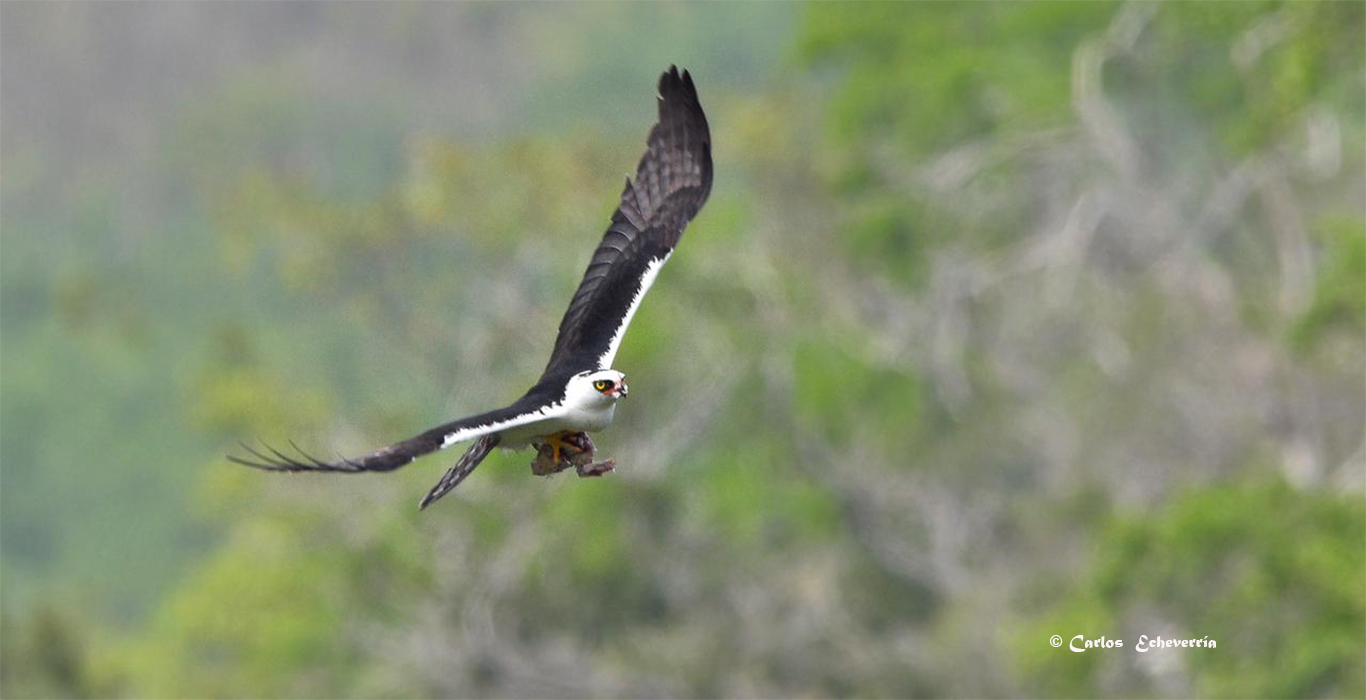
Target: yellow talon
{"x": 556, "y": 445}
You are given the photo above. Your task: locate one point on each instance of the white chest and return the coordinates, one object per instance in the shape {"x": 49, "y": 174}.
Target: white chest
{"x": 589, "y": 419}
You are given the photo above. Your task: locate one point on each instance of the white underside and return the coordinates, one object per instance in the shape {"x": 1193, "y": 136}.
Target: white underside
{"x": 577, "y": 420}
{"x": 516, "y": 433}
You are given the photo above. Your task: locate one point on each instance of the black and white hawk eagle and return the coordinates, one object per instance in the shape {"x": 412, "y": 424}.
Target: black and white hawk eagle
{"x": 579, "y": 390}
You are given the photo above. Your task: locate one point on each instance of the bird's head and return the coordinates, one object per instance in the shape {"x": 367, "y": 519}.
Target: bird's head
{"x": 596, "y": 386}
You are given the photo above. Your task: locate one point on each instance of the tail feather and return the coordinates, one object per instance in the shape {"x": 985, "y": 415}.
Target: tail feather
{"x": 456, "y": 474}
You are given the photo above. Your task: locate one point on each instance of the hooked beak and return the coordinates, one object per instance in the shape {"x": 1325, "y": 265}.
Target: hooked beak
{"x": 620, "y": 391}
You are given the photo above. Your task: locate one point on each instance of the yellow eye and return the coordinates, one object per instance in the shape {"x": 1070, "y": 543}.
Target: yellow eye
{"x": 602, "y": 385}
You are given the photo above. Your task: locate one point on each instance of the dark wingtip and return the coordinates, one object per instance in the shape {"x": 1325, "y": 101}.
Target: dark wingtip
{"x": 247, "y": 463}
{"x": 670, "y": 82}
{"x": 281, "y": 462}
{"x": 265, "y": 463}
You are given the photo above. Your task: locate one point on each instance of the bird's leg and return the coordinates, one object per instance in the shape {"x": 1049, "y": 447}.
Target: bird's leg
{"x": 556, "y": 443}
{"x": 561, "y": 451}
{"x": 582, "y": 446}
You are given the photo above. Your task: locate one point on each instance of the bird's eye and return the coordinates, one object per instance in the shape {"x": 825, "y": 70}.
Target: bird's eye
{"x": 602, "y": 385}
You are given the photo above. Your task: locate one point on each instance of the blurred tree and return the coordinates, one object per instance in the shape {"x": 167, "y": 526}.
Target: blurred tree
{"x": 1280, "y": 594}
{"x": 46, "y": 655}
{"x": 1338, "y": 307}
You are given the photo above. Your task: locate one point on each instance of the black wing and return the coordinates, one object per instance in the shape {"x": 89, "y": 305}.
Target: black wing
{"x": 529, "y": 409}
{"x": 672, "y": 182}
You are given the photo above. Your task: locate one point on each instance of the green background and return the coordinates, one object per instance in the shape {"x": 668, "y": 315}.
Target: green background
{"x": 1004, "y": 320}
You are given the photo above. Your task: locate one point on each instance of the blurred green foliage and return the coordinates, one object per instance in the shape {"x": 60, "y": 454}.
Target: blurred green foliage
{"x": 1208, "y": 566}
{"x": 997, "y": 316}
{"x": 47, "y": 655}
{"x": 1338, "y": 307}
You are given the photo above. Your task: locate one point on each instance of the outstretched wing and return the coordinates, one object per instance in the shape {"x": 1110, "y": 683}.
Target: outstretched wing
{"x": 529, "y": 409}
{"x": 672, "y": 182}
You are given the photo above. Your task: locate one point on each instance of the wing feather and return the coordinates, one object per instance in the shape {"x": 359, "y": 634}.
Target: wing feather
{"x": 529, "y": 409}
{"x": 671, "y": 184}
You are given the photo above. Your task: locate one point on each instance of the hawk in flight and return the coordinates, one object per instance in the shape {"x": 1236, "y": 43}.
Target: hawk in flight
{"x": 579, "y": 390}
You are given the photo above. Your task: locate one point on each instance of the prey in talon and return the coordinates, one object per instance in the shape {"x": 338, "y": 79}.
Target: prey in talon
{"x": 564, "y": 450}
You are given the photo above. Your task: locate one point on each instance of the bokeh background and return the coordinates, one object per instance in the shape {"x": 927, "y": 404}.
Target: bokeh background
{"x": 1003, "y": 321}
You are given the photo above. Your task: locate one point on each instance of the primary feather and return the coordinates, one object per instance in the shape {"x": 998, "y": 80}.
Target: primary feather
{"x": 672, "y": 183}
